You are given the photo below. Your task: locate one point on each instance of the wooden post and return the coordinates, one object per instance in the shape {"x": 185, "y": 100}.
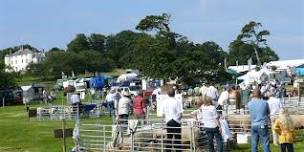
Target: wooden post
{"x": 3, "y": 102}
{"x": 63, "y": 126}
{"x": 63, "y": 135}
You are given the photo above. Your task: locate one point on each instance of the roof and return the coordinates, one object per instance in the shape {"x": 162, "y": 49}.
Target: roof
{"x": 22, "y": 52}
{"x": 300, "y": 66}
{"x": 242, "y": 68}
{"x": 286, "y": 63}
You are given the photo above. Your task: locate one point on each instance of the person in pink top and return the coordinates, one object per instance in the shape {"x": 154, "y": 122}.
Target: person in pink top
{"x": 139, "y": 108}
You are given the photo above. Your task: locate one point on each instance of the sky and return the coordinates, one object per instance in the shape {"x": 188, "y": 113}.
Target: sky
{"x": 54, "y": 23}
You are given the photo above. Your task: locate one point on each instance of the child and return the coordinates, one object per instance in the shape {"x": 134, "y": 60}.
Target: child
{"x": 284, "y": 127}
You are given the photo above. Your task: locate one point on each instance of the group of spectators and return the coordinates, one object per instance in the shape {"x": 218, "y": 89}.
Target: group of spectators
{"x": 121, "y": 105}
{"x": 263, "y": 104}
{"x": 265, "y": 108}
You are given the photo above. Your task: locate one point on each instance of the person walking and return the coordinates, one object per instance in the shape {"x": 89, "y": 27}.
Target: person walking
{"x": 274, "y": 107}
{"x": 284, "y": 127}
{"x": 139, "y": 108}
{"x": 223, "y": 100}
{"x": 173, "y": 113}
{"x": 259, "y": 115}
{"x": 210, "y": 120}
{"x": 123, "y": 109}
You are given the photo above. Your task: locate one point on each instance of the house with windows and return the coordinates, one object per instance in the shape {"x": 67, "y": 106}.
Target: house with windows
{"x": 19, "y": 60}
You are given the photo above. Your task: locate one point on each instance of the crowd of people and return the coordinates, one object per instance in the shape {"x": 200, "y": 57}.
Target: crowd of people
{"x": 263, "y": 103}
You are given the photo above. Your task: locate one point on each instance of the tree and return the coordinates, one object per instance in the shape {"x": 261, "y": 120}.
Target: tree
{"x": 7, "y": 79}
{"x": 160, "y": 23}
{"x": 97, "y": 42}
{"x": 251, "y": 34}
{"x": 78, "y": 44}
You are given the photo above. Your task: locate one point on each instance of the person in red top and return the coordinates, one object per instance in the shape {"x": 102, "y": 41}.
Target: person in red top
{"x": 139, "y": 108}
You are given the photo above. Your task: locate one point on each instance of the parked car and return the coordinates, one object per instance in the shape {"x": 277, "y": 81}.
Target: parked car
{"x": 11, "y": 96}
{"x": 132, "y": 89}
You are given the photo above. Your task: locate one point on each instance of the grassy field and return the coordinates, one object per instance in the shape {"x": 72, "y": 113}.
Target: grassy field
{"x": 21, "y": 134}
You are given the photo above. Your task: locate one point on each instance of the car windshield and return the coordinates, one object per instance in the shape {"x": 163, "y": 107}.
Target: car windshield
{"x": 134, "y": 88}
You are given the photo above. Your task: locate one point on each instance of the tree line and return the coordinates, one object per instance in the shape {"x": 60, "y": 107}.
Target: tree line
{"x": 155, "y": 50}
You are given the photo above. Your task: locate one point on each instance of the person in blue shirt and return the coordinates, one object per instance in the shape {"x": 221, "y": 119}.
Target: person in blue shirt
{"x": 259, "y": 115}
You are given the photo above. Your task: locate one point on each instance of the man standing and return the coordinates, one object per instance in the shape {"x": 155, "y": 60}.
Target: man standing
{"x": 213, "y": 94}
{"x": 123, "y": 109}
{"x": 173, "y": 113}
{"x": 110, "y": 98}
{"x": 259, "y": 112}
{"x": 223, "y": 100}
{"x": 274, "y": 107}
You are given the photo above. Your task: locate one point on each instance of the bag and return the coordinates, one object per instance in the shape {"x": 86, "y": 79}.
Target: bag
{"x": 226, "y": 133}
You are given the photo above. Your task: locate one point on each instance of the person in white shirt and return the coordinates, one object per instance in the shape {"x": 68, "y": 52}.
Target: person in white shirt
{"x": 173, "y": 113}
{"x": 203, "y": 90}
{"x": 275, "y": 105}
{"x": 210, "y": 121}
{"x": 213, "y": 94}
{"x": 75, "y": 99}
{"x": 223, "y": 99}
{"x": 110, "y": 99}
{"x": 123, "y": 109}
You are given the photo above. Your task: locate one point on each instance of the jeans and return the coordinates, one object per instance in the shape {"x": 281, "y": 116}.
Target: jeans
{"x": 110, "y": 108}
{"x": 211, "y": 133}
{"x": 287, "y": 146}
{"x": 173, "y": 130}
{"x": 123, "y": 121}
{"x": 260, "y": 132}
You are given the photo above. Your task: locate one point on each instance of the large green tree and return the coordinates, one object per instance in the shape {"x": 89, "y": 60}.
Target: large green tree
{"x": 78, "y": 44}
{"x": 6, "y": 79}
{"x": 160, "y": 23}
{"x": 250, "y": 43}
{"x": 97, "y": 42}
{"x": 252, "y": 34}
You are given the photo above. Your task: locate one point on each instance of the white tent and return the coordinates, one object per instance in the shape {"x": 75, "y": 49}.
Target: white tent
{"x": 127, "y": 77}
{"x": 255, "y": 76}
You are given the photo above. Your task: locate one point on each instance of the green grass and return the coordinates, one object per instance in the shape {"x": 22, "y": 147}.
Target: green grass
{"x": 21, "y": 134}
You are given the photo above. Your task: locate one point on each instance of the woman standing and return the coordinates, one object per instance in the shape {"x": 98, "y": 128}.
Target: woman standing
{"x": 211, "y": 124}
{"x": 139, "y": 108}
{"x": 284, "y": 127}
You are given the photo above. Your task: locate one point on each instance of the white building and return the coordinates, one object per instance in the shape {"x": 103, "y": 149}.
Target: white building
{"x": 19, "y": 60}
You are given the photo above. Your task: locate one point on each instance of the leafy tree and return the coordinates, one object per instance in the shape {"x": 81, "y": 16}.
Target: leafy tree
{"x": 253, "y": 35}
{"x": 78, "y": 44}
{"x": 160, "y": 23}
{"x": 97, "y": 42}
{"x": 7, "y": 79}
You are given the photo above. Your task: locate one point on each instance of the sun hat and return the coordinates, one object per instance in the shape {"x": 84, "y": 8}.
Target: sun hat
{"x": 126, "y": 93}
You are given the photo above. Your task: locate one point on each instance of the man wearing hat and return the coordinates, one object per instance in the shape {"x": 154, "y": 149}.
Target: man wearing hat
{"x": 123, "y": 109}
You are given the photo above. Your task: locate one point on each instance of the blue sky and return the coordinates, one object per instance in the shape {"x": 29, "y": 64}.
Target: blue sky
{"x": 53, "y": 23}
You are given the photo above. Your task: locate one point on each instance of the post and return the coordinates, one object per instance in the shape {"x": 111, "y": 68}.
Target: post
{"x": 132, "y": 140}
{"x": 104, "y": 137}
{"x": 63, "y": 127}
{"x": 3, "y": 102}
{"x": 63, "y": 135}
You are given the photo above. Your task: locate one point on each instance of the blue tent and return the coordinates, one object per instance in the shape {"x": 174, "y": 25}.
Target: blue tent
{"x": 97, "y": 82}
{"x": 300, "y": 70}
